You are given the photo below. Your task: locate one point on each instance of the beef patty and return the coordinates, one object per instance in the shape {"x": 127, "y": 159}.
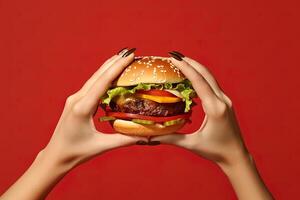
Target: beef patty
{"x": 146, "y": 107}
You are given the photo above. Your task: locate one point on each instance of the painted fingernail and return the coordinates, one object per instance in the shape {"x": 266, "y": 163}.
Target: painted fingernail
{"x": 141, "y": 142}
{"x": 152, "y": 143}
{"x": 130, "y": 51}
{"x": 119, "y": 52}
{"x": 178, "y": 53}
{"x": 174, "y": 55}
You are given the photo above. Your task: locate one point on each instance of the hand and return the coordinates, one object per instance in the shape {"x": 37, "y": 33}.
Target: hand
{"x": 75, "y": 138}
{"x": 219, "y": 138}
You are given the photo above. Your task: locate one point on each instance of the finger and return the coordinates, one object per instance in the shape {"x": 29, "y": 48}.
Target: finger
{"x": 108, "y": 63}
{"x": 96, "y": 74}
{"x": 102, "y": 84}
{"x": 206, "y": 74}
{"x": 182, "y": 140}
{"x": 202, "y": 88}
{"x": 117, "y": 139}
{"x": 103, "y": 68}
{"x": 210, "y": 79}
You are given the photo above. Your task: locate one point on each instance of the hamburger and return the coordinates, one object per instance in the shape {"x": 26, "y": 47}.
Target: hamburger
{"x": 150, "y": 97}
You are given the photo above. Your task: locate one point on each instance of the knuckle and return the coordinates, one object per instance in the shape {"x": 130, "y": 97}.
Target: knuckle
{"x": 221, "y": 109}
{"x": 227, "y": 100}
{"x": 229, "y": 103}
{"x": 196, "y": 77}
{"x": 70, "y": 99}
{"x": 79, "y": 110}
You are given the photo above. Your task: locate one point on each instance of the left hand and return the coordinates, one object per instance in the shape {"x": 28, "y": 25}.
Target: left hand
{"x": 219, "y": 138}
{"x": 75, "y": 138}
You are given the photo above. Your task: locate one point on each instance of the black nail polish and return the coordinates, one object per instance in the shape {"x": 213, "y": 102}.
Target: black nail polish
{"x": 141, "y": 142}
{"x": 179, "y": 54}
{"x": 152, "y": 143}
{"x": 130, "y": 51}
{"x": 177, "y": 57}
{"x": 121, "y": 50}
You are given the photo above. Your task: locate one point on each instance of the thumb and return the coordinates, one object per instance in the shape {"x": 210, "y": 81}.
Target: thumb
{"x": 104, "y": 142}
{"x": 118, "y": 140}
{"x": 182, "y": 140}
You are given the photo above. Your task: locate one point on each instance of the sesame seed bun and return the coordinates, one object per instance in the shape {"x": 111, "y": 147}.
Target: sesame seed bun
{"x": 149, "y": 69}
{"x": 131, "y": 128}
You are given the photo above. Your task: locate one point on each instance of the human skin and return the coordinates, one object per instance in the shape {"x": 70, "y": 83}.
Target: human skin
{"x": 75, "y": 138}
{"x": 219, "y": 138}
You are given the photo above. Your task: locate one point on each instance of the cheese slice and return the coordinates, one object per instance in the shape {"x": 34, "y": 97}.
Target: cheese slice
{"x": 159, "y": 99}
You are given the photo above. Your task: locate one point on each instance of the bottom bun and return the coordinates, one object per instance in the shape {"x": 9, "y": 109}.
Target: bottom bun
{"x": 131, "y": 128}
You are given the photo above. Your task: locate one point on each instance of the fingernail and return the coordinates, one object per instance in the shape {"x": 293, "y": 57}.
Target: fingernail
{"x": 130, "y": 51}
{"x": 119, "y": 52}
{"x": 141, "y": 142}
{"x": 178, "y": 53}
{"x": 152, "y": 143}
{"x": 177, "y": 57}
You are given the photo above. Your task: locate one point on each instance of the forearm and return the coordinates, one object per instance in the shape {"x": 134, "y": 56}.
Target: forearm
{"x": 245, "y": 179}
{"x": 38, "y": 180}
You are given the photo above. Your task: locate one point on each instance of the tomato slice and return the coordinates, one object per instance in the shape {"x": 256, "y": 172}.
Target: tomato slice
{"x": 122, "y": 115}
{"x": 156, "y": 92}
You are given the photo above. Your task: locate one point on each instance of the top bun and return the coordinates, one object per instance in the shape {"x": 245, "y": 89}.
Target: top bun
{"x": 149, "y": 69}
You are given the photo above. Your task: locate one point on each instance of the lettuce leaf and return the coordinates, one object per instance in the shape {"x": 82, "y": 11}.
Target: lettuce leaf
{"x": 185, "y": 88}
{"x": 114, "y": 92}
{"x": 125, "y": 90}
{"x": 187, "y": 94}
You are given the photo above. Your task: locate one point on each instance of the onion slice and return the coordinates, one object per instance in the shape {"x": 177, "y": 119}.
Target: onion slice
{"x": 175, "y": 92}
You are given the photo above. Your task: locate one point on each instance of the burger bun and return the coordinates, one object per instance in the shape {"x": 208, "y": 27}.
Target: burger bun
{"x": 131, "y": 128}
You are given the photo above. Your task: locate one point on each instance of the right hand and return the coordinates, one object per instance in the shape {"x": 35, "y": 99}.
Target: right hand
{"x": 219, "y": 138}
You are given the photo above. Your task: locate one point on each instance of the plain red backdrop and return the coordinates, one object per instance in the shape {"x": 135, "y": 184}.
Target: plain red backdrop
{"x": 49, "y": 48}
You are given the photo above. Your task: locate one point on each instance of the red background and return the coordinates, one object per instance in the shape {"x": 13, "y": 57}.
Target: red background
{"x": 49, "y": 48}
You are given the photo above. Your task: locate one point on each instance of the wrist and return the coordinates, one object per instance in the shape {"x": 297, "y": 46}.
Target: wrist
{"x": 51, "y": 161}
{"x": 245, "y": 179}
{"x": 242, "y": 159}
